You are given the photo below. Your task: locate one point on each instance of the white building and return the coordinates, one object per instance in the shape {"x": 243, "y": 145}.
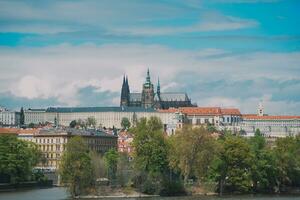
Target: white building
{"x": 221, "y": 118}
{"x": 35, "y": 116}
{"x": 270, "y": 125}
{"x": 9, "y": 118}
{"x": 105, "y": 116}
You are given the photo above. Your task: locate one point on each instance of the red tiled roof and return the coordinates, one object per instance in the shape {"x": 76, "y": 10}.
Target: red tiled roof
{"x": 170, "y": 110}
{"x": 18, "y": 131}
{"x": 230, "y": 111}
{"x": 201, "y": 110}
{"x": 270, "y": 117}
{"x": 8, "y": 131}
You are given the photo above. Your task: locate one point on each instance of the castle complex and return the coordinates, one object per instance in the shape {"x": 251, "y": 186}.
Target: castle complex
{"x": 151, "y": 99}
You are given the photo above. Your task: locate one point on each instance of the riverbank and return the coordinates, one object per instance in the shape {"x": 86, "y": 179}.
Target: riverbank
{"x": 61, "y": 193}
{"x": 25, "y": 185}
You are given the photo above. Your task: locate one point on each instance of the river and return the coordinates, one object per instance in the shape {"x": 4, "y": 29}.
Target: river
{"x": 58, "y": 193}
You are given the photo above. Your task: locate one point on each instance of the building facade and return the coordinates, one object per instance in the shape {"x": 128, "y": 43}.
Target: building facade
{"x": 52, "y": 143}
{"x": 221, "y": 118}
{"x": 107, "y": 117}
{"x": 271, "y": 126}
{"x": 148, "y": 98}
{"x": 9, "y": 118}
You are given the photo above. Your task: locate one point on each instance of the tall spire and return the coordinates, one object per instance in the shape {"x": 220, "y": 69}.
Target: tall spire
{"x": 148, "y": 77}
{"x": 127, "y": 85}
{"x": 124, "y": 92}
{"x": 158, "y": 87}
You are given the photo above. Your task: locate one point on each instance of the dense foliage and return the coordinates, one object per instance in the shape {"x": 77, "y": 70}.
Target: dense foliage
{"x": 76, "y": 167}
{"x": 17, "y": 159}
{"x": 252, "y": 165}
{"x": 153, "y": 174}
{"x": 111, "y": 161}
{"x": 125, "y": 123}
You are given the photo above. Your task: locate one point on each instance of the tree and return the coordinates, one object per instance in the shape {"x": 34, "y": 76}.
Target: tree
{"x": 150, "y": 156}
{"x": 192, "y": 150}
{"x": 18, "y": 158}
{"x": 22, "y": 117}
{"x": 31, "y": 125}
{"x": 125, "y": 123}
{"x": 232, "y": 168}
{"x": 76, "y": 167}
{"x": 264, "y": 171}
{"x": 81, "y": 123}
{"x": 73, "y": 124}
{"x": 91, "y": 122}
{"x": 111, "y": 162}
{"x": 211, "y": 128}
{"x": 287, "y": 152}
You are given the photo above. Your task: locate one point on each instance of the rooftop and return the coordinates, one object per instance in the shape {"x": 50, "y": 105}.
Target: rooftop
{"x": 98, "y": 109}
{"x": 73, "y": 131}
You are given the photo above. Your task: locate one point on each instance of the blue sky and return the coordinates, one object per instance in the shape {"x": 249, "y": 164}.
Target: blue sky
{"x": 231, "y": 53}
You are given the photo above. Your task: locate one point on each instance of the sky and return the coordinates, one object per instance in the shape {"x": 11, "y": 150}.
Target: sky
{"x": 228, "y": 53}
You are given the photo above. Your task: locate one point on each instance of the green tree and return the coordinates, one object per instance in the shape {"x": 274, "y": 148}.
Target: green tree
{"x": 91, "y": 122}
{"x": 211, "y": 128}
{"x": 17, "y": 158}
{"x": 264, "y": 171}
{"x": 232, "y": 168}
{"x": 151, "y": 155}
{"x": 22, "y": 117}
{"x": 111, "y": 162}
{"x": 31, "y": 125}
{"x": 125, "y": 123}
{"x": 191, "y": 152}
{"x": 73, "y": 124}
{"x": 76, "y": 167}
{"x": 287, "y": 151}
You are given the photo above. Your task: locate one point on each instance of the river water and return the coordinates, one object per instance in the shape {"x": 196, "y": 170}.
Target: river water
{"x": 58, "y": 193}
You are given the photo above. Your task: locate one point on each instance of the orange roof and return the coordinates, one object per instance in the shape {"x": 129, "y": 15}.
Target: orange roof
{"x": 201, "y": 110}
{"x": 8, "y": 131}
{"x": 230, "y": 111}
{"x": 270, "y": 117}
{"x": 18, "y": 131}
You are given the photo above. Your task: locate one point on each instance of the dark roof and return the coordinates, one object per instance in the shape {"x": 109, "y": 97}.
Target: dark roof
{"x": 174, "y": 96}
{"x": 73, "y": 132}
{"x": 98, "y": 109}
{"x": 37, "y": 109}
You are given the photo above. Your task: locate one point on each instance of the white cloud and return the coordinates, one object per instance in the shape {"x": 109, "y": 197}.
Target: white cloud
{"x": 61, "y": 71}
{"x": 135, "y": 18}
{"x": 210, "y": 21}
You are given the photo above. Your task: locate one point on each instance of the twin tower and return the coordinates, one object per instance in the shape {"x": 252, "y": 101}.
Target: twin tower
{"x": 149, "y": 99}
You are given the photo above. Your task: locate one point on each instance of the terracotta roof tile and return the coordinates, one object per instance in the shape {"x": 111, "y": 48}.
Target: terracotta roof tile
{"x": 201, "y": 110}
{"x": 230, "y": 111}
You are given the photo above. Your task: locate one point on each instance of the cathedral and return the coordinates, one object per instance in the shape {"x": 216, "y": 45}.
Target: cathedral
{"x": 151, "y": 99}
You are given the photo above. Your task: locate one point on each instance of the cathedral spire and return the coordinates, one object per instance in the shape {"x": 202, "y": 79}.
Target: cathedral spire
{"x": 148, "y": 77}
{"x": 158, "y": 88}
{"x": 127, "y": 85}
{"x": 125, "y": 92}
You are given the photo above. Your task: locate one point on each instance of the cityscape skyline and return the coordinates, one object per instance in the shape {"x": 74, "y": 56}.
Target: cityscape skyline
{"x": 222, "y": 53}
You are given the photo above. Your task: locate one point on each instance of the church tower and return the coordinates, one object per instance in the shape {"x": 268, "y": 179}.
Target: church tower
{"x": 260, "y": 109}
{"x": 148, "y": 92}
{"x": 125, "y": 92}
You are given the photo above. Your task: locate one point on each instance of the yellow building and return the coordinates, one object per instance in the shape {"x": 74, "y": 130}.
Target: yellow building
{"x": 52, "y": 143}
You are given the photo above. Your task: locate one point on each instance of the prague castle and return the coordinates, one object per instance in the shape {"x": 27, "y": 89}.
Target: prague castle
{"x": 148, "y": 98}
